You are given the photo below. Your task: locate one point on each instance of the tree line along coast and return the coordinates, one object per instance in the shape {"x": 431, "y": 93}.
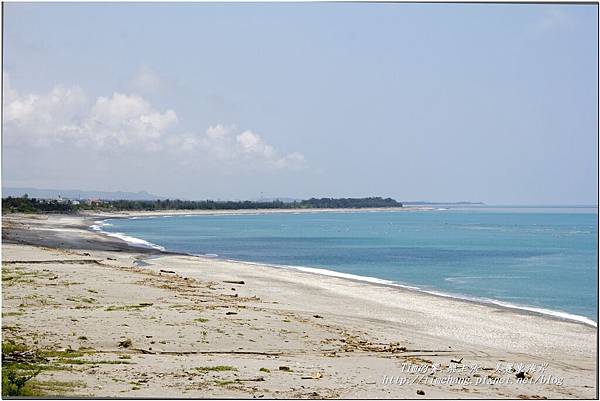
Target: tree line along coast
{"x": 25, "y": 204}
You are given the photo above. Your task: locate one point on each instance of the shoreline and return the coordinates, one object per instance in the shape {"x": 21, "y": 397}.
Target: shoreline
{"x": 270, "y": 332}
{"x": 319, "y": 271}
{"x": 226, "y": 212}
{"x": 523, "y": 309}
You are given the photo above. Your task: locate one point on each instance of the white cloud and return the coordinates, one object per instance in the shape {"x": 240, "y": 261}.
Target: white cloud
{"x": 223, "y": 143}
{"x": 127, "y": 120}
{"x": 250, "y": 143}
{"x": 64, "y": 117}
{"x": 41, "y": 119}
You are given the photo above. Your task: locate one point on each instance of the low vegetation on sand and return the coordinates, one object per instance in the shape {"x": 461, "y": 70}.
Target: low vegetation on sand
{"x": 21, "y": 366}
{"x": 219, "y": 368}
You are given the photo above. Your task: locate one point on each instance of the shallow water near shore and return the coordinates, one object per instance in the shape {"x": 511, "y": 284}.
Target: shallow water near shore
{"x": 541, "y": 259}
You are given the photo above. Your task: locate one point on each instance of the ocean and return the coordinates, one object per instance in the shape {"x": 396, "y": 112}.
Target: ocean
{"x": 541, "y": 259}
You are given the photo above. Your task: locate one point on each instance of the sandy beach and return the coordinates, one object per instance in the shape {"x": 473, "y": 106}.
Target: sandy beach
{"x": 111, "y": 320}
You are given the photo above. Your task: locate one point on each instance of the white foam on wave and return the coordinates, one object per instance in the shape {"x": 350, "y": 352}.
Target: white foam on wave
{"x": 464, "y": 279}
{"x": 562, "y": 315}
{"x": 134, "y": 241}
{"x": 504, "y": 304}
{"x": 206, "y": 255}
{"x": 331, "y": 273}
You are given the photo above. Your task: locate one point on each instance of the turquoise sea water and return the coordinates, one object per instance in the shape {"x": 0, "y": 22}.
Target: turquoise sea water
{"x": 535, "y": 258}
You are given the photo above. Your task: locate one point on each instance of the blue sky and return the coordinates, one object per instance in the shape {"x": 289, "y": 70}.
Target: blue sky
{"x": 493, "y": 103}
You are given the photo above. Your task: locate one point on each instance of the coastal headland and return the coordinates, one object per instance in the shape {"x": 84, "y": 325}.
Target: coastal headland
{"x": 94, "y": 316}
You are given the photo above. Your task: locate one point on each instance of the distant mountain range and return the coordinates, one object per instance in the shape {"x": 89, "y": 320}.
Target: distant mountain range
{"x": 78, "y": 194}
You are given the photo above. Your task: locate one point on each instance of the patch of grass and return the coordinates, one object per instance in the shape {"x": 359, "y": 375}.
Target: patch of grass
{"x": 6, "y": 314}
{"x": 264, "y": 370}
{"x": 67, "y": 283}
{"x": 17, "y": 275}
{"x": 20, "y": 272}
{"x": 36, "y": 361}
{"x": 31, "y": 367}
{"x": 70, "y": 356}
{"x": 68, "y": 353}
{"x": 127, "y": 307}
{"x": 9, "y": 347}
{"x": 49, "y": 387}
{"x": 223, "y": 382}
{"x": 124, "y": 357}
{"x": 82, "y": 299}
{"x": 71, "y": 361}
{"x": 10, "y": 328}
{"x": 218, "y": 368}
{"x": 177, "y": 306}
{"x": 201, "y": 320}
